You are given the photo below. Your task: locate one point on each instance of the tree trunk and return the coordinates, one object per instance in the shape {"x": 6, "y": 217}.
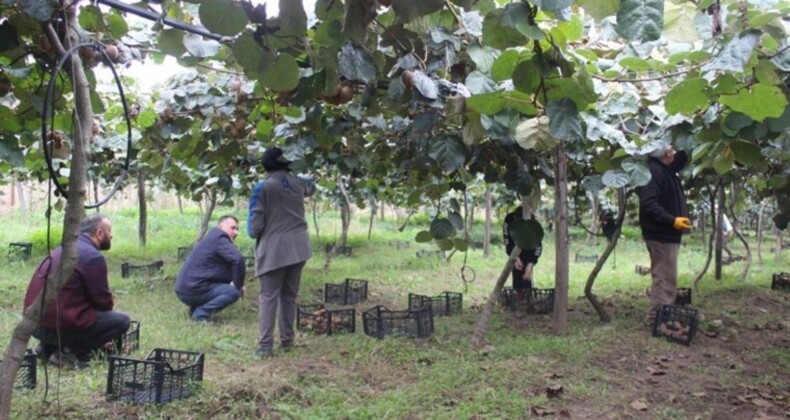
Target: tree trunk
{"x": 592, "y": 238}
{"x": 717, "y": 229}
{"x": 96, "y": 194}
{"x": 704, "y": 270}
{"x": 372, "y": 218}
{"x": 703, "y": 221}
{"x": 778, "y": 248}
{"x": 470, "y": 218}
{"x": 487, "y": 228}
{"x": 315, "y": 220}
{"x": 180, "y": 206}
{"x": 211, "y": 200}
{"x": 142, "y": 227}
{"x": 485, "y": 315}
{"x": 345, "y": 213}
{"x": 602, "y": 314}
{"x": 748, "y": 264}
{"x": 20, "y": 189}
{"x": 74, "y": 213}
{"x": 760, "y": 221}
{"x": 561, "y": 237}
{"x": 13, "y": 193}
{"x": 381, "y": 217}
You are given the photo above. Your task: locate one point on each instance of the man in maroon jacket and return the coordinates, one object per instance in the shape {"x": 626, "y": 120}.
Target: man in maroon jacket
{"x": 81, "y": 319}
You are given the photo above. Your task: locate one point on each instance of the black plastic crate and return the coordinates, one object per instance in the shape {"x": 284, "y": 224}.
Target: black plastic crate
{"x": 350, "y": 292}
{"x": 183, "y": 253}
{"x": 322, "y": 320}
{"x": 20, "y": 251}
{"x": 642, "y": 270}
{"x": 26, "y": 375}
{"x": 165, "y": 375}
{"x": 585, "y": 258}
{"x": 446, "y": 303}
{"x": 535, "y": 301}
{"x": 683, "y": 296}
{"x": 129, "y": 342}
{"x": 781, "y": 281}
{"x": 677, "y": 324}
{"x": 399, "y": 244}
{"x": 379, "y": 322}
{"x": 339, "y": 250}
{"x": 429, "y": 253}
{"x": 148, "y": 270}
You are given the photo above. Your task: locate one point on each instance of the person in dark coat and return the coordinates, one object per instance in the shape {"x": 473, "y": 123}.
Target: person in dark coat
{"x": 664, "y": 218}
{"x": 523, "y": 270}
{"x": 212, "y": 277}
{"x": 82, "y": 319}
{"x": 282, "y": 247}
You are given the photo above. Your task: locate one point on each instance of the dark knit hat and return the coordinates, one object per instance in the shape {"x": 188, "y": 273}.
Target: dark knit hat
{"x": 273, "y": 160}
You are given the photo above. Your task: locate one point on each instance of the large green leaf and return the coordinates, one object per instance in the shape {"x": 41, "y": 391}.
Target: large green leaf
{"x": 505, "y": 65}
{"x": 615, "y": 179}
{"x": 293, "y": 19}
{"x": 527, "y": 234}
{"x": 679, "y": 22}
{"x": 747, "y": 153}
{"x": 448, "y": 151}
{"x": 224, "y": 17}
{"x": 535, "y": 133}
{"x": 40, "y": 10}
{"x": 526, "y": 77}
{"x": 640, "y": 20}
{"x": 250, "y": 55}
{"x": 355, "y": 63}
{"x": 91, "y": 19}
{"x": 9, "y": 38}
{"x": 760, "y": 102}
{"x": 425, "y": 85}
{"x": 407, "y": 10}
{"x": 638, "y": 172}
{"x": 498, "y": 35}
{"x": 441, "y": 228}
{"x": 599, "y": 9}
{"x": 423, "y": 236}
{"x": 519, "y": 181}
{"x": 735, "y": 55}
{"x": 492, "y": 103}
{"x": 724, "y": 160}
{"x": 117, "y": 25}
{"x": 199, "y": 47}
{"x": 171, "y": 42}
{"x": 564, "y": 119}
{"x": 552, "y": 5}
{"x": 456, "y": 219}
{"x": 687, "y": 97}
{"x": 282, "y": 75}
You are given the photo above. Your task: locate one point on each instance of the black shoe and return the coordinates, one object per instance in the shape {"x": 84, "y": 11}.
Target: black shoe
{"x": 43, "y": 353}
{"x": 286, "y": 346}
{"x": 264, "y": 353}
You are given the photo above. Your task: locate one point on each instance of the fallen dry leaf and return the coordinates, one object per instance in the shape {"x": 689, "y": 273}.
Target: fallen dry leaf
{"x": 762, "y": 403}
{"x": 699, "y": 394}
{"x": 541, "y": 411}
{"x": 639, "y": 405}
{"x": 656, "y": 372}
{"x": 554, "y": 391}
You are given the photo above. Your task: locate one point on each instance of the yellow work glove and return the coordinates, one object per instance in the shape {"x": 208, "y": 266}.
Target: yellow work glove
{"x": 681, "y": 223}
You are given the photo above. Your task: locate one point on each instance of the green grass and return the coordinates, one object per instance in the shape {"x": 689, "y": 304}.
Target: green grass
{"x": 354, "y": 376}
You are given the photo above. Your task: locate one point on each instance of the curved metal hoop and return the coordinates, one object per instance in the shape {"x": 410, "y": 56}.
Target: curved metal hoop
{"x": 51, "y": 92}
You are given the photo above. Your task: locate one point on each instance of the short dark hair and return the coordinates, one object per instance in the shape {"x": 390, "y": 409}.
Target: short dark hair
{"x": 90, "y": 224}
{"x": 273, "y": 160}
{"x": 226, "y": 217}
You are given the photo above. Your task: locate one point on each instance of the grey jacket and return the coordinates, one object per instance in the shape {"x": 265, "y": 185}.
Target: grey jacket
{"x": 277, "y": 223}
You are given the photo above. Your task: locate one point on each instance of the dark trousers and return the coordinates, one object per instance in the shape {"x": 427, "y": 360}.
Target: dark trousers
{"x": 204, "y": 305}
{"x": 278, "y": 288}
{"x": 110, "y": 325}
{"x": 518, "y": 279}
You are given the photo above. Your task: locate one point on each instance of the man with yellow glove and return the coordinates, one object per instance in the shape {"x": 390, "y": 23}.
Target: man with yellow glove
{"x": 663, "y": 217}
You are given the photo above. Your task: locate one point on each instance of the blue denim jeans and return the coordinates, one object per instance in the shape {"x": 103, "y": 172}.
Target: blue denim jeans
{"x": 203, "y": 305}
{"x": 110, "y": 325}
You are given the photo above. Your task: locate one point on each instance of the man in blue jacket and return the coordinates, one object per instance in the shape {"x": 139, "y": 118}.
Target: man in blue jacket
{"x": 663, "y": 217}
{"x": 212, "y": 277}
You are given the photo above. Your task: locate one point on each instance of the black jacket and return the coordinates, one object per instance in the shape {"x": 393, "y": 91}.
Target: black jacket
{"x": 215, "y": 259}
{"x": 662, "y": 200}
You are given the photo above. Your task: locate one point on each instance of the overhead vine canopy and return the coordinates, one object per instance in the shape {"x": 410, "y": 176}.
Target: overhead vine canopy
{"x": 426, "y": 95}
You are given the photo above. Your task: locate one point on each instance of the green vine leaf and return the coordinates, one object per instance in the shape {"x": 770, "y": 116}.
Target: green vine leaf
{"x": 640, "y": 20}
{"x": 687, "y": 97}
{"x": 760, "y": 102}
{"x": 224, "y": 17}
